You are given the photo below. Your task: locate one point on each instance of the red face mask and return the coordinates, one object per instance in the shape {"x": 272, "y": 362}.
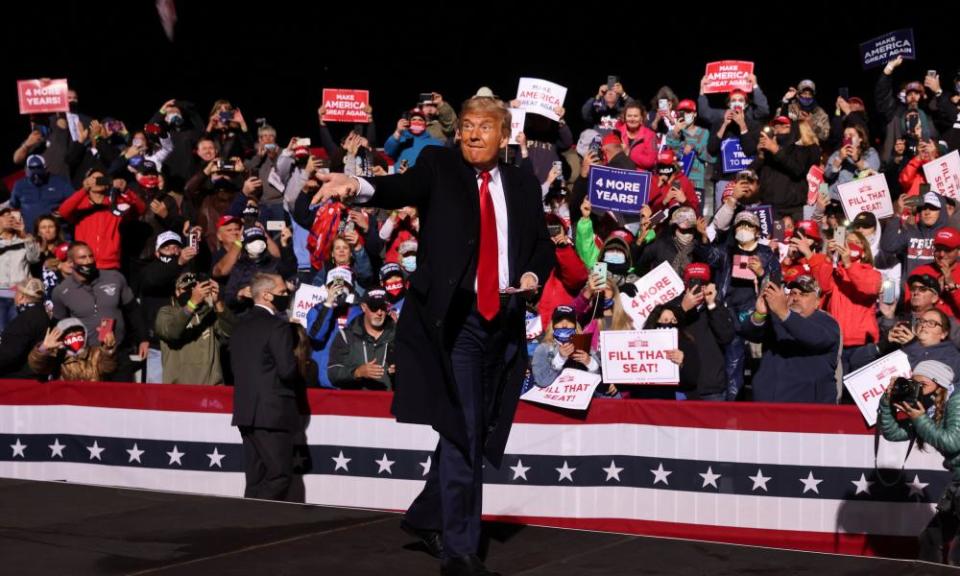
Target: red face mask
{"x": 75, "y": 340}
{"x": 855, "y": 253}
{"x": 417, "y": 126}
{"x": 148, "y": 181}
{"x": 394, "y": 288}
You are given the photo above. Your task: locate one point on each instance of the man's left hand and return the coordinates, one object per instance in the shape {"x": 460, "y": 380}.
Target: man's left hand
{"x": 143, "y": 350}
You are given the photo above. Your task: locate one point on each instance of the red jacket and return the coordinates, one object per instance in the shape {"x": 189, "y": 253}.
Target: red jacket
{"x": 565, "y": 282}
{"x": 850, "y": 296}
{"x": 99, "y": 224}
{"x": 949, "y": 301}
{"x": 817, "y": 266}
{"x": 658, "y": 193}
{"x": 911, "y": 177}
{"x": 643, "y": 151}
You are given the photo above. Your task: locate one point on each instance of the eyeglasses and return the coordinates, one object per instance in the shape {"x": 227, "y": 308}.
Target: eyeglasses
{"x": 928, "y": 323}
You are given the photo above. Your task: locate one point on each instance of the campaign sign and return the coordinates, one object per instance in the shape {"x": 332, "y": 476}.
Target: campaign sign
{"x": 880, "y": 50}
{"x": 764, "y": 213}
{"x": 658, "y": 286}
{"x": 345, "y": 105}
{"x": 541, "y": 97}
{"x": 573, "y": 389}
{"x": 306, "y": 298}
{"x": 732, "y": 157}
{"x": 42, "y": 96}
{"x": 866, "y": 195}
{"x": 943, "y": 174}
{"x": 868, "y": 384}
{"x": 728, "y": 75}
{"x": 639, "y": 356}
{"x": 518, "y": 117}
{"x": 617, "y": 189}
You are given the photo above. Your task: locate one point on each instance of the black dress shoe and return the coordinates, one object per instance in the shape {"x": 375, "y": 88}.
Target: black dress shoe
{"x": 465, "y": 566}
{"x": 429, "y": 538}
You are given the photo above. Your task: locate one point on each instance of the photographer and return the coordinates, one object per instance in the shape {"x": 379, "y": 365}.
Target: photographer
{"x": 97, "y": 211}
{"x": 66, "y": 353}
{"x": 927, "y": 339}
{"x": 191, "y": 330}
{"x": 326, "y": 319}
{"x": 933, "y": 420}
{"x": 905, "y": 120}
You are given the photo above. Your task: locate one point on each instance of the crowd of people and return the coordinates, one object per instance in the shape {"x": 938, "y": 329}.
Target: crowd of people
{"x": 129, "y": 253}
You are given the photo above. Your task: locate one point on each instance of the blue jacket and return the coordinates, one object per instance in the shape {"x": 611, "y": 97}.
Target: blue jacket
{"x": 321, "y": 328}
{"x": 740, "y": 295}
{"x": 408, "y": 147}
{"x": 800, "y": 357}
{"x": 33, "y": 201}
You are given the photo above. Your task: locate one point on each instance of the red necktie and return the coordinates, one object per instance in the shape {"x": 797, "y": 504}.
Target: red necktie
{"x": 488, "y": 270}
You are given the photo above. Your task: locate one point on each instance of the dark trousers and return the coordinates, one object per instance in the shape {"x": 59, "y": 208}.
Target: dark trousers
{"x": 267, "y": 462}
{"x": 938, "y": 537}
{"x": 452, "y": 499}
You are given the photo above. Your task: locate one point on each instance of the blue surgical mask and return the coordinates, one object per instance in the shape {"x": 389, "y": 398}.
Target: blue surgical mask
{"x": 615, "y": 257}
{"x": 806, "y": 103}
{"x": 607, "y": 303}
{"x": 409, "y": 263}
{"x": 563, "y": 335}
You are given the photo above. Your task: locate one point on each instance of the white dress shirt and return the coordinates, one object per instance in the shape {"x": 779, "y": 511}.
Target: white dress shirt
{"x": 499, "y": 208}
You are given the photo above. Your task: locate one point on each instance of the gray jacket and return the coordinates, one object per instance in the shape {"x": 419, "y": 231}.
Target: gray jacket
{"x": 352, "y": 347}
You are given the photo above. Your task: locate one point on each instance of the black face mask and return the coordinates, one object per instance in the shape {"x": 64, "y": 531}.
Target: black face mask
{"x": 165, "y": 259}
{"x": 74, "y": 106}
{"x": 183, "y": 298}
{"x": 281, "y": 303}
{"x": 783, "y": 139}
{"x": 88, "y": 272}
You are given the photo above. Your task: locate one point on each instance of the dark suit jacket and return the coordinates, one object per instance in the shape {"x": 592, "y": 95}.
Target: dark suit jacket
{"x": 444, "y": 189}
{"x": 265, "y": 372}
{"x": 22, "y": 334}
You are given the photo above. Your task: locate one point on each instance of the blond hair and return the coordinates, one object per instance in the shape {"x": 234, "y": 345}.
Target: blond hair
{"x": 486, "y": 105}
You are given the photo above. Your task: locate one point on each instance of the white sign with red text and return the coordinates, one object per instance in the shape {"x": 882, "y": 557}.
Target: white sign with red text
{"x": 306, "y": 298}
{"x": 573, "y": 389}
{"x": 659, "y": 286}
{"x": 728, "y": 75}
{"x": 866, "y": 195}
{"x": 868, "y": 384}
{"x": 518, "y": 117}
{"x": 42, "y": 96}
{"x": 638, "y": 356}
{"x": 541, "y": 97}
{"x": 943, "y": 174}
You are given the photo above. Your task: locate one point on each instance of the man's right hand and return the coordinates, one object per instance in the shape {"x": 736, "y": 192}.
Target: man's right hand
{"x": 892, "y": 65}
{"x": 370, "y": 370}
{"x": 339, "y": 186}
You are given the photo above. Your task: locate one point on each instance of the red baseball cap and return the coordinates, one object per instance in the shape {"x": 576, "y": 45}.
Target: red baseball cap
{"x": 666, "y": 157}
{"x": 611, "y": 138}
{"x": 697, "y": 270}
{"x": 782, "y": 121}
{"x": 687, "y": 106}
{"x": 948, "y": 237}
{"x": 227, "y": 219}
{"x": 61, "y": 251}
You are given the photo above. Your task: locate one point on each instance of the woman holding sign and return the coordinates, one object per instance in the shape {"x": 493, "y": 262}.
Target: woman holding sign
{"x": 667, "y": 317}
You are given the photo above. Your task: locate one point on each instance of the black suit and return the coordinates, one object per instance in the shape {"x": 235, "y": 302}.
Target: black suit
{"x": 265, "y": 401}
{"x": 21, "y": 335}
{"x": 455, "y": 371}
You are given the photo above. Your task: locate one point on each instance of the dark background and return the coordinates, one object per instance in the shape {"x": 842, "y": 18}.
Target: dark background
{"x": 271, "y": 59}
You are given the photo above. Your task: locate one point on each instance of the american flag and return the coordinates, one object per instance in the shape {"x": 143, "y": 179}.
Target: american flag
{"x": 795, "y": 476}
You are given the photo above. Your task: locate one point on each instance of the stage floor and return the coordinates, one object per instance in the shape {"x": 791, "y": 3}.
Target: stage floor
{"x": 52, "y": 528}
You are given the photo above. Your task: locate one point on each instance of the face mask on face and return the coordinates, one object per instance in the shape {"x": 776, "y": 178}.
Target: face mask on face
{"x": 689, "y": 117}
{"x": 562, "y": 210}
{"x": 563, "y": 335}
{"x": 149, "y": 182}
{"x": 87, "y": 271}
{"x": 745, "y": 236}
{"x": 855, "y": 254}
{"x": 256, "y": 248}
{"x": 614, "y": 257}
{"x": 74, "y": 106}
{"x": 806, "y": 103}
{"x": 737, "y": 105}
{"x": 417, "y": 127}
{"x": 409, "y": 263}
{"x": 684, "y": 237}
{"x": 165, "y": 259}
{"x": 607, "y": 303}
{"x": 74, "y": 341}
{"x": 666, "y": 325}
{"x": 281, "y": 303}
{"x": 395, "y": 289}
{"x": 174, "y": 119}
{"x": 183, "y": 299}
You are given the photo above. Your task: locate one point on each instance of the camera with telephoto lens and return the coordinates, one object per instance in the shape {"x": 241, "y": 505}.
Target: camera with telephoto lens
{"x": 908, "y": 391}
